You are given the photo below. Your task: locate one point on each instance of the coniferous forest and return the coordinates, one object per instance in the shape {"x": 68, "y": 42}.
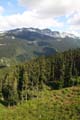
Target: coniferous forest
{"x": 23, "y": 81}
{"x": 39, "y": 60}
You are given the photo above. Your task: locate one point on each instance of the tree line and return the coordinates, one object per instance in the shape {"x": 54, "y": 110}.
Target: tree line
{"x": 56, "y": 72}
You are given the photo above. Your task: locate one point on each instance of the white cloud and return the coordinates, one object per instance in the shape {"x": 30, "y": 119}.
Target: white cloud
{"x": 30, "y": 3}
{"x": 46, "y": 9}
{"x": 27, "y": 19}
{"x": 42, "y": 14}
{"x": 1, "y": 9}
{"x": 74, "y": 21}
{"x": 51, "y": 8}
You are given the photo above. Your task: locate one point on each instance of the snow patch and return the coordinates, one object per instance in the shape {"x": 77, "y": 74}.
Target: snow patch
{"x": 31, "y": 29}
{"x": 2, "y": 44}
{"x": 13, "y": 37}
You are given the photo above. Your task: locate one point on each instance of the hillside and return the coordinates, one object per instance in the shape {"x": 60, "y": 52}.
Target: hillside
{"x": 61, "y": 104}
{"x": 19, "y": 83}
{"x": 45, "y": 88}
{"x": 26, "y": 43}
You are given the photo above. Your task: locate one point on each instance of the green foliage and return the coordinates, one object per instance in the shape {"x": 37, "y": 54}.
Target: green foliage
{"x": 56, "y": 72}
{"x": 28, "y": 89}
{"x": 61, "y": 104}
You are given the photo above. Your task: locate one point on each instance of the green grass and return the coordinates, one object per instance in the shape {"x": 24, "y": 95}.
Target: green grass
{"x": 61, "y": 104}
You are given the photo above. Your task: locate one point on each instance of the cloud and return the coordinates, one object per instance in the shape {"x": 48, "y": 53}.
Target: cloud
{"x": 51, "y": 8}
{"x": 26, "y": 19}
{"x": 30, "y": 3}
{"x": 74, "y": 21}
{"x": 1, "y": 9}
{"x": 44, "y": 14}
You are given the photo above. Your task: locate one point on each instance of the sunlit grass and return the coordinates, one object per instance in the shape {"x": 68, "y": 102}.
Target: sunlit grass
{"x": 61, "y": 104}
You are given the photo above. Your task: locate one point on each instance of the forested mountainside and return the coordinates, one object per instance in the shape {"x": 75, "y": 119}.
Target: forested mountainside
{"x": 23, "y": 44}
{"x": 22, "y": 82}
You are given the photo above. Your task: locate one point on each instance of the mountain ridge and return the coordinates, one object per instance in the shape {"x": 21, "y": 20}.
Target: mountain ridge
{"x": 26, "y": 43}
{"x": 45, "y": 31}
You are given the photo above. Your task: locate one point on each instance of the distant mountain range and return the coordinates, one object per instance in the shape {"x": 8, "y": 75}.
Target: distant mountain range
{"x": 25, "y": 43}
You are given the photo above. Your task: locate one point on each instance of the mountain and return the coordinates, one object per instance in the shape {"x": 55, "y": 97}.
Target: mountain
{"x": 25, "y": 43}
{"x": 39, "y": 32}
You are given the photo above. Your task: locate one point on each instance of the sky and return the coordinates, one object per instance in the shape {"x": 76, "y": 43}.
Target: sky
{"x": 59, "y": 15}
